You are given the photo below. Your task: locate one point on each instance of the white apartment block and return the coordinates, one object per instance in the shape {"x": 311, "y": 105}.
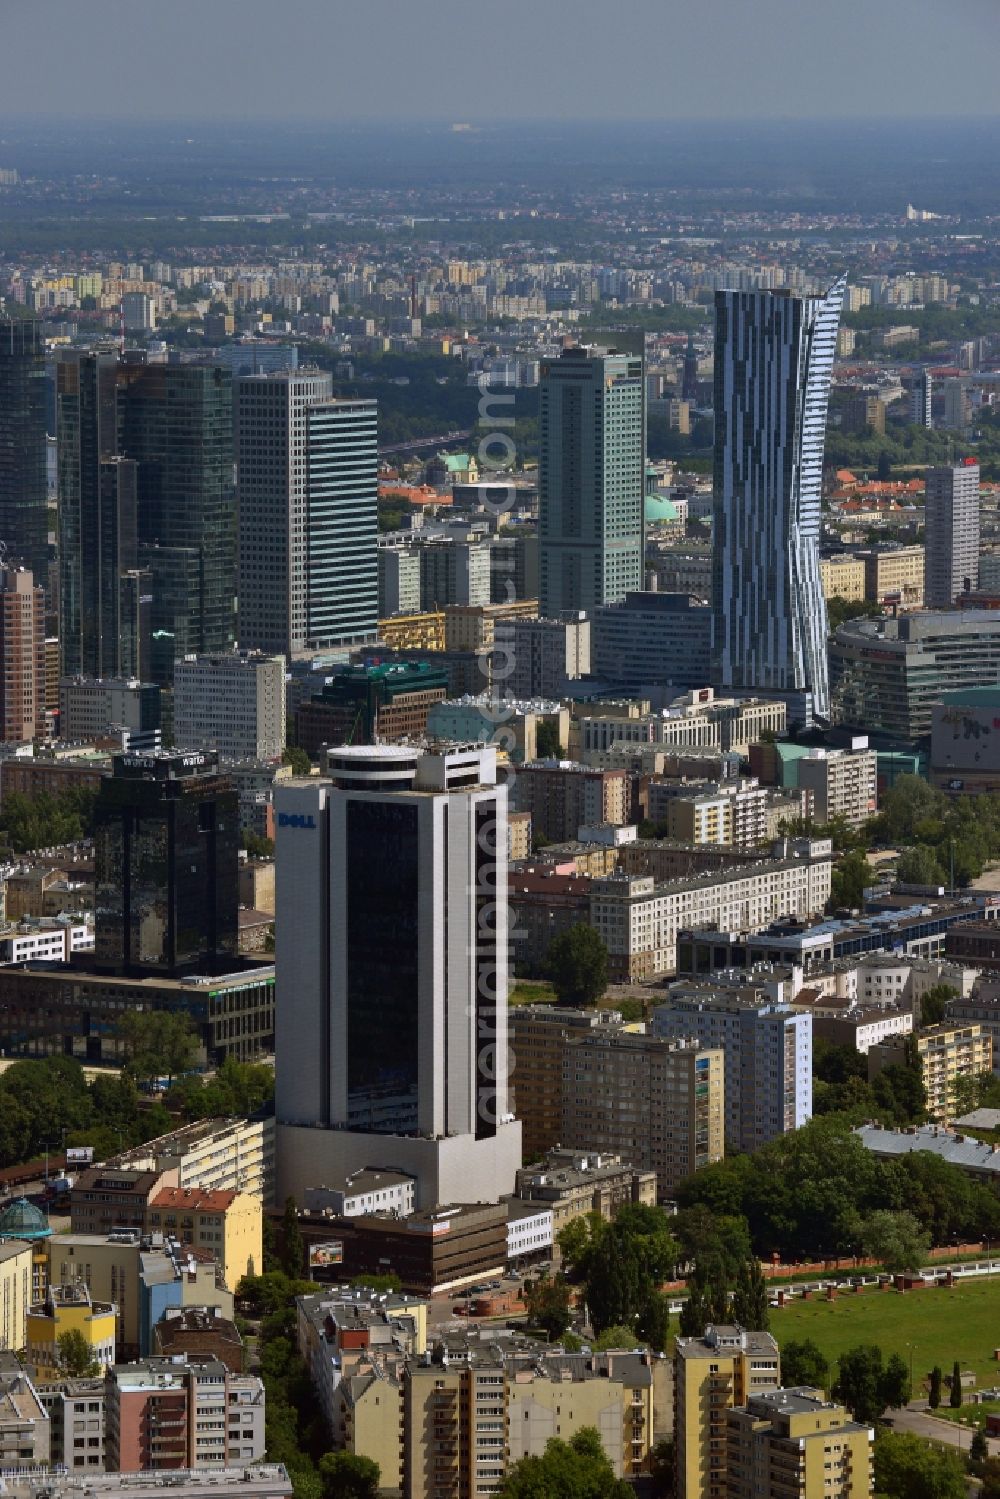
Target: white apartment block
{"x": 638, "y": 920}
{"x": 842, "y": 782}
{"x": 891, "y": 981}
{"x": 232, "y": 703}
{"x": 529, "y": 1229}
{"x": 49, "y": 942}
{"x": 363, "y": 1192}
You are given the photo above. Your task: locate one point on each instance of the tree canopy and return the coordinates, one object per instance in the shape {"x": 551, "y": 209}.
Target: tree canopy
{"x": 576, "y": 966}
{"x": 158, "y": 1043}
{"x": 577, "y": 1469}
{"x": 809, "y": 1194}
{"x": 907, "y": 1467}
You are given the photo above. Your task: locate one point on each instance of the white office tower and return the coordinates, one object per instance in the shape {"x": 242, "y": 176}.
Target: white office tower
{"x": 773, "y": 362}
{"x": 308, "y": 514}
{"x": 920, "y": 399}
{"x": 951, "y": 516}
{"x": 391, "y": 1033}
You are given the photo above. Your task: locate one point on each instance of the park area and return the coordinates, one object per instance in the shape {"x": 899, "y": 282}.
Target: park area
{"x": 939, "y": 1324}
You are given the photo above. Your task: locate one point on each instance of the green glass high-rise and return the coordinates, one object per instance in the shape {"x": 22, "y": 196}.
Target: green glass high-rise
{"x": 176, "y": 422}
{"x": 591, "y": 478}
{"x": 23, "y": 487}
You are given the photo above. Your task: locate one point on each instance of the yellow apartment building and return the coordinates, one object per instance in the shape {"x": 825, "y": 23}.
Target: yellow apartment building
{"x": 712, "y": 1376}
{"x": 795, "y": 1444}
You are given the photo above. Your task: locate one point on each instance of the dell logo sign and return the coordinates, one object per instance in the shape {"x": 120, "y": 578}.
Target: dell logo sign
{"x": 295, "y": 820}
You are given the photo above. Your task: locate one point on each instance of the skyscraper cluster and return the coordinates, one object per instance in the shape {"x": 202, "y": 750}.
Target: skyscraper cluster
{"x": 172, "y": 479}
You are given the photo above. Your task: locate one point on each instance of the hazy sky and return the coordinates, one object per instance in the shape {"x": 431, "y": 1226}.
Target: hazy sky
{"x": 474, "y": 59}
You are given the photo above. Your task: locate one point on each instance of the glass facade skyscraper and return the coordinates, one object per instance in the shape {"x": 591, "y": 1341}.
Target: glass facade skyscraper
{"x": 166, "y": 854}
{"x": 23, "y": 483}
{"x": 774, "y": 356}
{"x": 98, "y": 517}
{"x": 176, "y": 422}
{"x": 591, "y": 479}
{"x": 342, "y": 523}
{"x": 272, "y": 468}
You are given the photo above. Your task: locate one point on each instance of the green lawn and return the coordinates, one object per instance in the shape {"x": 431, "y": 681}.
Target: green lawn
{"x": 532, "y": 992}
{"x": 943, "y": 1325}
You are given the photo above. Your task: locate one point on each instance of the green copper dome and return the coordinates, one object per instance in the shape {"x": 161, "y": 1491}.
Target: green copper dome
{"x": 20, "y": 1220}
{"x": 659, "y": 508}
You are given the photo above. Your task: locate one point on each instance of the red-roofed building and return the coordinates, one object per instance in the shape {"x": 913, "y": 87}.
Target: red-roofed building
{"x": 229, "y": 1224}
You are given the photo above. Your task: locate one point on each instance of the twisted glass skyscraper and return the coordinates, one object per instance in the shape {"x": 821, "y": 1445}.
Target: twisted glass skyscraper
{"x": 773, "y": 362}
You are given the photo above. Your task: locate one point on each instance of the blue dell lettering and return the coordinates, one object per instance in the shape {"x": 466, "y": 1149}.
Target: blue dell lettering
{"x": 295, "y": 820}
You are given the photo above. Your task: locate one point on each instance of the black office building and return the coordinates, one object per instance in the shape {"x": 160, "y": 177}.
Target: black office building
{"x": 98, "y": 516}
{"x": 23, "y": 485}
{"x": 167, "y": 842}
{"x": 176, "y": 423}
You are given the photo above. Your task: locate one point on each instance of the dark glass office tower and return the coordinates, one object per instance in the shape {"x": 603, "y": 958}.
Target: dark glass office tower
{"x": 97, "y": 515}
{"x": 167, "y": 849}
{"x": 176, "y": 422}
{"x": 24, "y": 526}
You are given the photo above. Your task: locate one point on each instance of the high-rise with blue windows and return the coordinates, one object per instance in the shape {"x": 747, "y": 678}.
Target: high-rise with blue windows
{"x": 591, "y": 479}
{"x": 774, "y": 356}
{"x": 342, "y": 523}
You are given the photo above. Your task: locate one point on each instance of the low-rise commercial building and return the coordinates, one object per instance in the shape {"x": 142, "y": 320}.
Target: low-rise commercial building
{"x": 70, "y": 1308}
{"x": 575, "y": 1183}
{"x": 364, "y": 1192}
{"x": 65, "y": 1011}
{"x": 965, "y": 741}
{"x": 25, "y": 1428}
{"x": 529, "y": 1231}
{"x": 434, "y": 1249}
{"x": 979, "y": 1161}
